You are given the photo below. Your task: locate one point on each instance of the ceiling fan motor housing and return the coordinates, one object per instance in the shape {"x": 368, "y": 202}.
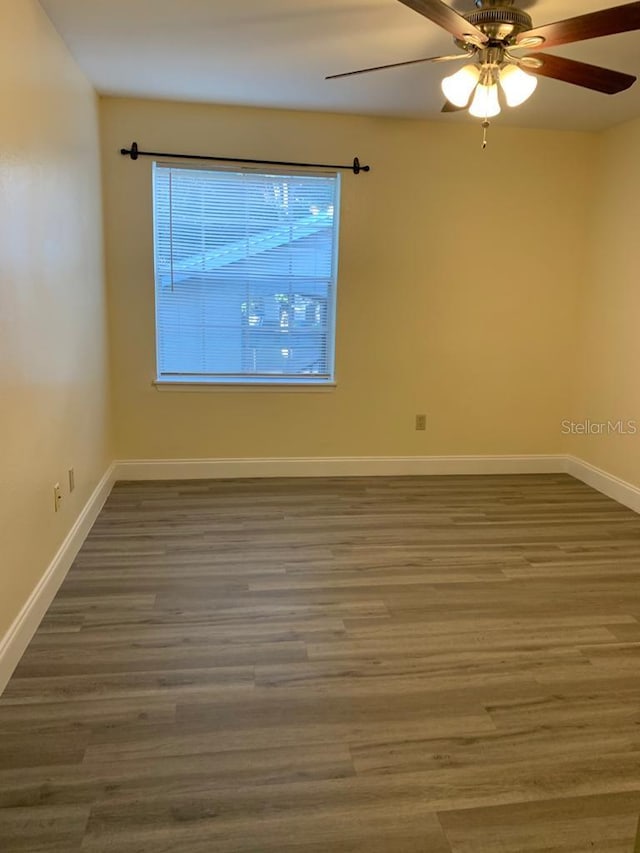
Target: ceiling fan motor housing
{"x": 499, "y": 20}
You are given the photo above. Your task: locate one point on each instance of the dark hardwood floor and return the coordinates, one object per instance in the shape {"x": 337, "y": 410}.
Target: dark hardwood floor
{"x": 382, "y": 665}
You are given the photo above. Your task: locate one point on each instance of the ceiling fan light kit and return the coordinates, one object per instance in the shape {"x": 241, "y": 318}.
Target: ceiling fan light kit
{"x": 495, "y": 33}
{"x": 483, "y": 80}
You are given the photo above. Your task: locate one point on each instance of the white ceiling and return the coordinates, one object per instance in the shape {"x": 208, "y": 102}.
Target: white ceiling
{"x": 276, "y": 53}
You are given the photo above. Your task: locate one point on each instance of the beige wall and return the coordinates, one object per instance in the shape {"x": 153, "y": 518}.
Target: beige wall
{"x": 53, "y": 388}
{"x": 608, "y": 378}
{"x": 451, "y": 302}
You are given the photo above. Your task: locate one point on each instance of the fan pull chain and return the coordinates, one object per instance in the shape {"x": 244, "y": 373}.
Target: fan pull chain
{"x": 485, "y": 126}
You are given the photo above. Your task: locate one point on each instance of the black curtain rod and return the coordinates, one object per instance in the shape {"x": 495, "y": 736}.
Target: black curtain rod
{"x": 134, "y": 152}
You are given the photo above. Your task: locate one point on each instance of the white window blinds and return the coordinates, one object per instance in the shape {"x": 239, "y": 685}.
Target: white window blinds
{"x": 245, "y": 275}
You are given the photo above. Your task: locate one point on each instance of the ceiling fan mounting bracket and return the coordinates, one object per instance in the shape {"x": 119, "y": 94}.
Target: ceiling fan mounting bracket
{"x": 500, "y": 20}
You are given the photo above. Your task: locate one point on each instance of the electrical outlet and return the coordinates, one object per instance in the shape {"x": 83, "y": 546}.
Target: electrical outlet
{"x": 72, "y": 479}
{"x": 421, "y": 422}
{"x": 57, "y": 497}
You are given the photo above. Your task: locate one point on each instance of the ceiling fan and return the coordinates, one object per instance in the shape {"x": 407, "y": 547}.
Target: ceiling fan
{"x": 493, "y": 36}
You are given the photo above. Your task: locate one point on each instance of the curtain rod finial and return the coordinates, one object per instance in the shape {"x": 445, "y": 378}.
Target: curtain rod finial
{"x": 132, "y": 152}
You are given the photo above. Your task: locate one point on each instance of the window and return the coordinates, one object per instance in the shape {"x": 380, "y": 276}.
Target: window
{"x": 245, "y": 276}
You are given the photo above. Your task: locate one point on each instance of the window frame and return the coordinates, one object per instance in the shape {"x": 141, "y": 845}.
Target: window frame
{"x": 271, "y": 382}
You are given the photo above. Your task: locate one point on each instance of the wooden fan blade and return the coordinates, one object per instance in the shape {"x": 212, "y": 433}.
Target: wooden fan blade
{"x": 607, "y": 22}
{"x": 447, "y": 18}
{"x": 582, "y": 74}
{"x": 400, "y": 64}
{"x": 451, "y": 108}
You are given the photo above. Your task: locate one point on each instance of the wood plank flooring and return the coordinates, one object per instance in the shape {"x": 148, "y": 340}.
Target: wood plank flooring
{"x": 388, "y": 665}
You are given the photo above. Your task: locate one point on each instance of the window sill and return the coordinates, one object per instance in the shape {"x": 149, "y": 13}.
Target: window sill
{"x": 165, "y": 386}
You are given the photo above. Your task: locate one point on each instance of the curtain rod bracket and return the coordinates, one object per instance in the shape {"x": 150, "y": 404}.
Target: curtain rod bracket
{"x": 134, "y": 153}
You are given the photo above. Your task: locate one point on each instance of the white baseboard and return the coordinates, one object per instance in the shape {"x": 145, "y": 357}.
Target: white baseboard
{"x": 18, "y": 637}
{"x": 335, "y": 466}
{"x": 620, "y": 490}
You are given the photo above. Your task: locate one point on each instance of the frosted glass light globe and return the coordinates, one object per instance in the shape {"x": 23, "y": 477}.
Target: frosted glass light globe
{"x": 485, "y": 102}
{"x": 458, "y": 87}
{"x": 517, "y": 85}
